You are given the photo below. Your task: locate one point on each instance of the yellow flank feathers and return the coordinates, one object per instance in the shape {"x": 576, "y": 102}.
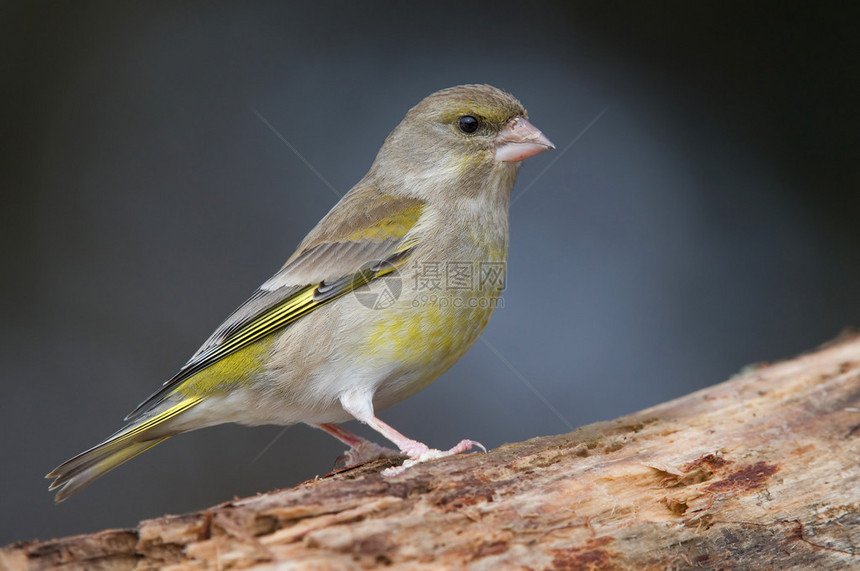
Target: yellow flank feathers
{"x": 437, "y": 334}
{"x": 235, "y": 369}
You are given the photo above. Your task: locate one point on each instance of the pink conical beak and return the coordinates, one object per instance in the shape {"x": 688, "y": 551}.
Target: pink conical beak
{"x": 520, "y": 140}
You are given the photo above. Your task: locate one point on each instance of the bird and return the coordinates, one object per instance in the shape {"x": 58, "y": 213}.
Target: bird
{"x": 383, "y": 295}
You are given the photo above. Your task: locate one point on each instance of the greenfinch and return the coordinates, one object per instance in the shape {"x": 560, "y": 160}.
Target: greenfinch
{"x": 389, "y": 289}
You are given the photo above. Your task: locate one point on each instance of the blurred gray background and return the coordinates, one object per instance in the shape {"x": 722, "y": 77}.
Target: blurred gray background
{"x": 707, "y": 220}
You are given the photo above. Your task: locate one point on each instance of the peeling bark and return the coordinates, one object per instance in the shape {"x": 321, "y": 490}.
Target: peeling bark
{"x": 758, "y": 472}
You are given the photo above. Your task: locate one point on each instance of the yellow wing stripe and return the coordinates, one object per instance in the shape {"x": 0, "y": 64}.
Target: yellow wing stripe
{"x": 267, "y": 323}
{"x": 290, "y": 310}
{"x": 163, "y": 416}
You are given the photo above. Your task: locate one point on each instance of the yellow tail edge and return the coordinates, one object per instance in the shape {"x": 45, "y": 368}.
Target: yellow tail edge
{"x": 76, "y": 473}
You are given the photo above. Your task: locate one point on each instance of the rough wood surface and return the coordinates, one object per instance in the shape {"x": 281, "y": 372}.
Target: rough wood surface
{"x": 759, "y": 472}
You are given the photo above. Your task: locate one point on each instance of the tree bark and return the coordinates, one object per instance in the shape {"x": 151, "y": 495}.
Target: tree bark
{"x": 759, "y": 472}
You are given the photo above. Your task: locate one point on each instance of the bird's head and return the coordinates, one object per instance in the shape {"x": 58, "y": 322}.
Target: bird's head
{"x": 468, "y": 136}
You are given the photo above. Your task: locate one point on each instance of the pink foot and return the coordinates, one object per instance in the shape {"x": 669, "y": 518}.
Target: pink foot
{"x": 360, "y": 405}
{"x": 419, "y": 452}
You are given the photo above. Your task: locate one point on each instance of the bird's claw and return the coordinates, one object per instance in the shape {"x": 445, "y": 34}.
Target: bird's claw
{"x": 419, "y": 453}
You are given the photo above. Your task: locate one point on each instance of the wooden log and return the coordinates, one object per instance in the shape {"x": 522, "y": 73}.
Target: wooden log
{"x": 759, "y": 472}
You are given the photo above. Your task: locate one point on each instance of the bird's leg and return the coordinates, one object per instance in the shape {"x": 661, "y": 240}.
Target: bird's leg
{"x": 360, "y": 405}
{"x": 360, "y": 450}
{"x": 342, "y": 434}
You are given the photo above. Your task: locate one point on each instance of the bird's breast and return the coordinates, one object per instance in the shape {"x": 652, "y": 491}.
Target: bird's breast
{"x": 402, "y": 331}
{"x": 434, "y": 307}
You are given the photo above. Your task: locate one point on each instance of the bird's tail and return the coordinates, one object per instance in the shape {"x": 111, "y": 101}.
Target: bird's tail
{"x": 73, "y": 475}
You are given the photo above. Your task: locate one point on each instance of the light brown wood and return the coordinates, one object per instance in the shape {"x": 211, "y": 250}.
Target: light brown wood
{"x": 759, "y": 472}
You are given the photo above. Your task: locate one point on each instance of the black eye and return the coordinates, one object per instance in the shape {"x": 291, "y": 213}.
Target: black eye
{"x": 467, "y": 124}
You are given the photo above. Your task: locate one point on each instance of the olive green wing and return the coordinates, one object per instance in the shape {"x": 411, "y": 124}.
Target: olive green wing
{"x": 347, "y": 249}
